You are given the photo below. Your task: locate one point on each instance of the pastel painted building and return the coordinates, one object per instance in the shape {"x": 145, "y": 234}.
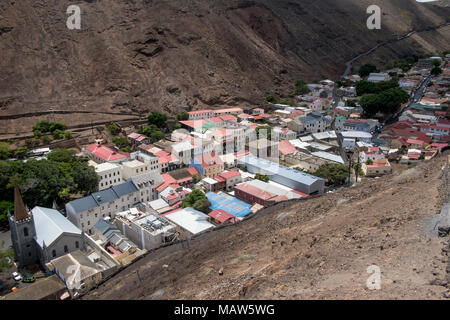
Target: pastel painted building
{"x": 208, "y": 165}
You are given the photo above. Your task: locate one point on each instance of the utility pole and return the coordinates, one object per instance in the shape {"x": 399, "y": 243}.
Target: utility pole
{"x": 357, "y": 167}
{"x": 350, "y": 168}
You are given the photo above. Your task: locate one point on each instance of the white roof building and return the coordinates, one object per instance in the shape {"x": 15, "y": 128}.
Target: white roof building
{"x": 191, "y": 220}
{"x": 328, "y": 156}
{"x": 300, "y": 144}
{"x": 50, "y": 225}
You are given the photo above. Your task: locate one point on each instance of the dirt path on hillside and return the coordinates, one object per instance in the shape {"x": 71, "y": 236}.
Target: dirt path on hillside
{"x": 317, "y": 249}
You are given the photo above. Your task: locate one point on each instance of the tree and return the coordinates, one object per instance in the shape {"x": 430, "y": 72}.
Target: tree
{"x": 405, "y": 67}
{"x": 147, "y": 130}
{"x": 5, "y": 151}
{"x": 21, "y": 152}
{"x": 193, "y": 197}
{"x": 351, "y": 103}
{"x": 156, "y": 136}
{"x": 121, "y": 141}
{"x": 113, "y": 128}
{"x": 202, "y": 205}
{"x": 61, "y": 155}
{"x": 335, "y": 174}
{"x": 46, "y": 139}
{"x": 158, "y": 119}
{"x": 365, "y": 87}
{"x": 367, "y": 69}
{"x": 271, "y": 99}
{"x": 33, "y": 142}
{"x": 262, "y": 177}
{"x": 371, "y": 104}
{"x": 85, "y": 178}
{"x": 285, "y": 101}
{"x": 68, "y": 135}
{"x": 436, "y": 62}
{"x": 300, "y": 87}
{"x": 45, "y": 126}
{"x": 436, "y": 71}
{"x": 386, "y": 102}
{"x": 37, "y": 133}
{"x": 369, "y": 162}
{"x": 183, "y": 116}
{"x": 58, "y": 134}
{"x": 42, "y": 126}
{"x": 196, "y": 178}
{"x": 57, "y": 126}
{"x": 5, "y": 207}
{"x": 43, "y": 181}
{"x": 386, "y": 85}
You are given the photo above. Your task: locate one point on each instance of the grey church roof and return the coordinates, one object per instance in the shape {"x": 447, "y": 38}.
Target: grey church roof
{"x": 50, "y": 224}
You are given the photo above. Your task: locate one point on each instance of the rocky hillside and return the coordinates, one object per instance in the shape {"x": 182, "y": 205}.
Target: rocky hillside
{"x": 315, "y": 249}
{"x": 134, "y": 56}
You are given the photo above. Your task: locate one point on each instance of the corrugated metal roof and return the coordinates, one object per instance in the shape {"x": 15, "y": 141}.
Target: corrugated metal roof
{"x": 328, "y": 156}
{"x": 271, "y": 168}
{"x": 190, "y": 219}
{"x": 50, "y": 224}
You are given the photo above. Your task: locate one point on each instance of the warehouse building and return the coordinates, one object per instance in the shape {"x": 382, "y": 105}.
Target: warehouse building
{"x": 283, "y": 175}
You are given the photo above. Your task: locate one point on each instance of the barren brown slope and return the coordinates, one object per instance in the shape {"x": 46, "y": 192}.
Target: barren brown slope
{"x": 136, "y": 56}
{"x": 317, "y": 249}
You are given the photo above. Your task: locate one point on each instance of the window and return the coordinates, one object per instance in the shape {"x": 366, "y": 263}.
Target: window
{"x": 25, "y": 232}
{"x": 54, "y": 253}
{"x": 77, "y": 245}
{"x": 66, "y": 249}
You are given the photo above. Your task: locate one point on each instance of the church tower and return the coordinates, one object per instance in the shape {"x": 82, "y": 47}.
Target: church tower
{"x": 22, "y": 232}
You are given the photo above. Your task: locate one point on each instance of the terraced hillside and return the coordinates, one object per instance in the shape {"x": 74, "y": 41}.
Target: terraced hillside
{"x": 131, "y": 57}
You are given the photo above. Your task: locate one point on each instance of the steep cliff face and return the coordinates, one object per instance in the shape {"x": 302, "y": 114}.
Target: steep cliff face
{"x": 141, "y": 55}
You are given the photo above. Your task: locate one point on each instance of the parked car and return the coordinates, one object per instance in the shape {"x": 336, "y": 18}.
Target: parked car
{"x": 16, "y": 276}
{"x": 29, "y": 279}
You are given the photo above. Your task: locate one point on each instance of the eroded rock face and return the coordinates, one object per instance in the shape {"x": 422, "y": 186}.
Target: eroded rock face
{"x": 173, "y": 55}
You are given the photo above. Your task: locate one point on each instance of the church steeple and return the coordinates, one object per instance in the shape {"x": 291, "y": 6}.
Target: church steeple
{"x": 20, "y": 212}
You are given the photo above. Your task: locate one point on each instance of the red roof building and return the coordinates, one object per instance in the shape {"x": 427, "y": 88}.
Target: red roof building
{"x": 285, "y": 148}
{"x": 252, "y": 194}
{"x": 102, "y": 154}
{"x": 415, "y": 143}
{"x": 438, "y": 146}
{"x": 228, "y": 117}
{"x": 222, "y": 216}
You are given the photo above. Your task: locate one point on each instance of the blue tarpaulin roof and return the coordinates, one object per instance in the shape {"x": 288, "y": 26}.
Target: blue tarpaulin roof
{"x": 229, "y": 204}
